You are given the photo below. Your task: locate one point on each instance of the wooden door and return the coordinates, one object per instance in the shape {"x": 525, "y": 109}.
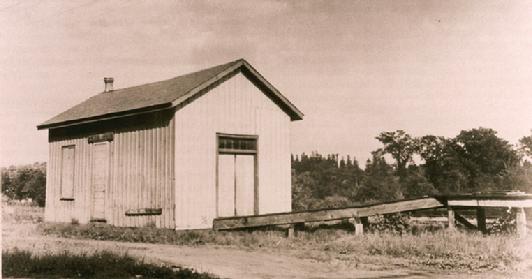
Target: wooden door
{"x": 236, "y": 185}
{"x": 99, "y": 179}
{"x": 244, "y": 184}
{"x": 226, "y": 185}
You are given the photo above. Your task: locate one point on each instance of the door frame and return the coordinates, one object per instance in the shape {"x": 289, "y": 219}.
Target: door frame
{"x": 254, "y": 153}
{"x": 108, "y": 174}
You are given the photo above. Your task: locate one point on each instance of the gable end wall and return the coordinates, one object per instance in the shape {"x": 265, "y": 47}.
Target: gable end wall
{"x": 235, "y": 106}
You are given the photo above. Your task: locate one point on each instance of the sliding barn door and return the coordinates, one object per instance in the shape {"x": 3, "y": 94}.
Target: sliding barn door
{"x": 99, "y": 179}
{"x": 237, "y": 188}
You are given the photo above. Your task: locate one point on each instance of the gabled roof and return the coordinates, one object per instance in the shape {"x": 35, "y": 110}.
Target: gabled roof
{"x": 162, "y": 95}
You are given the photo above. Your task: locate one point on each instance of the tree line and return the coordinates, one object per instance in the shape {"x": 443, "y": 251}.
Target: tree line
{"x": 25, "y": 182}
{"x": 476, "y": 160}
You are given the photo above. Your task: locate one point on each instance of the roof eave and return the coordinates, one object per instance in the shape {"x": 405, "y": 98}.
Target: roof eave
{"x": 108, "y": 116}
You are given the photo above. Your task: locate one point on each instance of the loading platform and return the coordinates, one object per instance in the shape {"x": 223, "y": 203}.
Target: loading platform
{"x": 359, "y": 214}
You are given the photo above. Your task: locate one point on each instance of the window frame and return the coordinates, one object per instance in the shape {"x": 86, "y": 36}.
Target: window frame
{"x": 221, "y": 136}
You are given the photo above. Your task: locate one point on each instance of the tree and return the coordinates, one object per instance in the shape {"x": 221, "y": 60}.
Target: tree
{"x": 443, "y": 166}
{"x": 320, "y": 181}
{"x": 401, "y": 146}
{"x": 485, "y": 156}
{"x": 302, "y": 185}
{"x": 475, "y": 160}
{"x": 525, "y": 146}
{"x": 415, "y": 184}
{"x": 7, "y": 185}
{"x": 432, "y": 148}
{"x": 379, "y": 183}
{"x": 518, "y": 177}
{"x": 35, "y": 186}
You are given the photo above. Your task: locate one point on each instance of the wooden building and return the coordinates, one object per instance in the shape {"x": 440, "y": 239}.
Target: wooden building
{"x": 173, "y": 154}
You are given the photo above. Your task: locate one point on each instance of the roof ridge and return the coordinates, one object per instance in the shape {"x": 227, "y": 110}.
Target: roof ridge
{"x": 175, "y": 77}
{"x": 114, "y": 91}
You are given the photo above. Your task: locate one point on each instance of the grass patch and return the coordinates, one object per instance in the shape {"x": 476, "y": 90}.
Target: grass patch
{"x": 17, "y": 263}
{"x": 161, "y": 236}
{"x": 22, "y": 213}
{"x": 442, "y": 250}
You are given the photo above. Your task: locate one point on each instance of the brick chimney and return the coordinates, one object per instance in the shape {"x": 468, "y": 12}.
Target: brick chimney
{"x": 108, "y": 84}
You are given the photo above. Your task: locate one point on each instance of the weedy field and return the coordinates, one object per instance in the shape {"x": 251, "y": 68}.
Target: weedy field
{"x": 434, "y": 251}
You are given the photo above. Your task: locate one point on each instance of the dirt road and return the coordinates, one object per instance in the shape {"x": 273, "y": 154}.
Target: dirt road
{"x": 221, "y": 261}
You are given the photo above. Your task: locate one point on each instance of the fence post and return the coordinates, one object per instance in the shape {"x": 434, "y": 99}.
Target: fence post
{"x": 520, "y": 221}
{"x": 450, "y": 219}
{"x": 481, "y": 220}
{"x": 359, "y": 228}
{"x": 357, "y": 224}
{"x": 291, "y": 232}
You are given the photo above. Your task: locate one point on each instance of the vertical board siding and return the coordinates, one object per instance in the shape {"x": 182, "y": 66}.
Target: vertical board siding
{"x": 141, "y": 172}
{"x": 235, "y": 106}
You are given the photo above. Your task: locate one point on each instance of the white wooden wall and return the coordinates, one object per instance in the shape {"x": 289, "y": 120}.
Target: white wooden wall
{"x": 234, "y": 107}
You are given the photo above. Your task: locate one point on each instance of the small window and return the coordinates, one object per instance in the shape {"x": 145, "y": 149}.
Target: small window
{"x": 237, "y": 144}
{"x": 68, "y": 154}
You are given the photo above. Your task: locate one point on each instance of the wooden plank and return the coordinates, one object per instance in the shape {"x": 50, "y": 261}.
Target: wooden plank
{"x": 399, "y": 206}
{"x": 281, "y": 219}
{"x": 464, "y": 221}
{"x": 144, "y": 211}
{"x": 324, "y": 215}
{"x": 491, "y": 203}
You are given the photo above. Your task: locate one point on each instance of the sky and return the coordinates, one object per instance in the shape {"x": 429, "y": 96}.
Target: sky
{"x": 355, "y": 68}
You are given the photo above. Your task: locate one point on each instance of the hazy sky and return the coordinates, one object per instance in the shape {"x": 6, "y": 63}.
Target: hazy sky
{"x": 355, "y": 68}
